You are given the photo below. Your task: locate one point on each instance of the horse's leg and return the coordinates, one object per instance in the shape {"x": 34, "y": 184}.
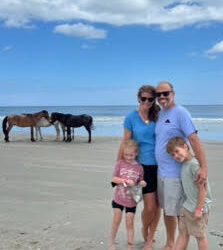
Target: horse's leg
{"x": 36, "y": 129}
{"x": 89, "y": 133}
{"x": 64, "y": 131}
{"x": 31, "y": 131}
{"x": 68, "y": 134}
{"x": 56, "y": 125}
{"x": 72, "y": 134}
{"x": 7, "y": 133}
{"x": 40, "y": 134}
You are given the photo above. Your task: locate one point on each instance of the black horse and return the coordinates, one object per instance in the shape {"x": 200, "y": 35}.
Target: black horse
{"x": 73, "y": 121}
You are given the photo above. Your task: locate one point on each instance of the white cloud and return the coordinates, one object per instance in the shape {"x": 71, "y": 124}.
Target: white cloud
{"x": 215, "y": 50}
{"x": 7, "y": 48}
{"x": 81, "y": 30}
{"x": 166, "y": 14}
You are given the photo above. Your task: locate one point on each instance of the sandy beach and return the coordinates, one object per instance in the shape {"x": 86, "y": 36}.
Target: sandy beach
{"x": 57, "y": 195}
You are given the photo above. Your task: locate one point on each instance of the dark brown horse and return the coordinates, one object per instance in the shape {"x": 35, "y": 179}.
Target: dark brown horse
{"x": 24, "y": 120}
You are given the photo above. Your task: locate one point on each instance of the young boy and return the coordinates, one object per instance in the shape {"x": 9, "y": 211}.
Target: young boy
{"x": 195, "y": 210}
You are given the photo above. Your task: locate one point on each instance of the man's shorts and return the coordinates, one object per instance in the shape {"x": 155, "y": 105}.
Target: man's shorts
{"x": 171, "y": 195}
{"x": 188, "y": 224}
{"x": 150, "y": 177}
{"x": 127, "y": 209}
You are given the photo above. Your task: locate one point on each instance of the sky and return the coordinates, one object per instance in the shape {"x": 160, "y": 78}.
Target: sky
{"x": 94, "y": 52}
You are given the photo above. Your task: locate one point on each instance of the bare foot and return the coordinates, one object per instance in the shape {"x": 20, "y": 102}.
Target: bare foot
{"x": 130, "y": 246}
{"x": 144, "y": 233}
{"x": 167, "y": 248}
{"x": 148, "y": 245}
{"x": 112, "y": 247}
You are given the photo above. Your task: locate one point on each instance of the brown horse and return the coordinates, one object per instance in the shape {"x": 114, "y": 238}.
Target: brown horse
{"x": 24, "y": 120}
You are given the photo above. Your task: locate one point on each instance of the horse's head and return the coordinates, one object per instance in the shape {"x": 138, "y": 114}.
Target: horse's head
{"x": 45, "y": 114}
{"x": 53, "y": 117}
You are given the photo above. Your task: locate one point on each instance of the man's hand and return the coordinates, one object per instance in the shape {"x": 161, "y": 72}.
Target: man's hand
{"x": 201, "y": 176}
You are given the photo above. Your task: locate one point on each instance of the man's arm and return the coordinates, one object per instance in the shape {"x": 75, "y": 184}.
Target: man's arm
{"x": 197, "y": 147}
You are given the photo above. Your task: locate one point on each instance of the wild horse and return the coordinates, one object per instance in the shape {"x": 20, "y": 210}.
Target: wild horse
{"x": 43, "y": 122}
{"x": 73, "y": 121}
{"x": 24, "y": 120}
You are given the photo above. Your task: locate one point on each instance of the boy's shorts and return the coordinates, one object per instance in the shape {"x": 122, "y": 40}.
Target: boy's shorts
{"x": 170, "y": 194}
{"x": 127, "y": 209}
{"x": 192, "y": 226}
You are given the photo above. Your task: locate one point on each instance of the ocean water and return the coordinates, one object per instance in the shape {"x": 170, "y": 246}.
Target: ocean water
{"x": 108, "y": 120}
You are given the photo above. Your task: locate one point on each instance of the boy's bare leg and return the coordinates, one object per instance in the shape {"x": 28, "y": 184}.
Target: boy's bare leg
{"x": 202, "y": 243}
{"x": 171, "y": 225}
{"x": 130, "y": 229}
{"x": 117, "y": 218}
{"x": 182, "y": 241}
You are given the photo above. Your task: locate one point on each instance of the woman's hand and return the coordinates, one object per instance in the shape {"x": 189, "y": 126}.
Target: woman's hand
{"x": 142, "y": 183}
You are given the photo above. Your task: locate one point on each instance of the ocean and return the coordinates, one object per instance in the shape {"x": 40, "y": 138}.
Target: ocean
{"x": 108, "y": 120}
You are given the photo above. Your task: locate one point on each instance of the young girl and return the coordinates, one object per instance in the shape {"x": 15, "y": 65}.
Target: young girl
{"x": 127, "y": 173}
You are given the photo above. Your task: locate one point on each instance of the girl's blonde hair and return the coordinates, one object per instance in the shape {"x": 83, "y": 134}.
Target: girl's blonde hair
{"x": 131, "y": 144}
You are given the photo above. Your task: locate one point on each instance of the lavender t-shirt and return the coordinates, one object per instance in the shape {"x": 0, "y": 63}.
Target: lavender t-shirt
{"x": 171, "y": 123}
{"x": 126, "y": 171}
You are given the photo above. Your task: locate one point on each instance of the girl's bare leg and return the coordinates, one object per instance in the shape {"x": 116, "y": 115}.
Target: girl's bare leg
{"x": 117, "y": 218}
{"x": 130, "y": 229}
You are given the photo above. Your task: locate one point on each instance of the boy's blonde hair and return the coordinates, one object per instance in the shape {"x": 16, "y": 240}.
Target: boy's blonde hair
{"x": 131, "y": 144}
{"x": 175, "y": 142}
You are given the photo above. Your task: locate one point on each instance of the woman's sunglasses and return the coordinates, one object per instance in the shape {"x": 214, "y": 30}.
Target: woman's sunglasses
{"x": 164, "y": 93}
{"x": 150, "y": 99}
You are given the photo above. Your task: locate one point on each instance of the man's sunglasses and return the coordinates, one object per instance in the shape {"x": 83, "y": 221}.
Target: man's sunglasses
{"x": 150, "y": 99}
{"x": 164, "y": 93}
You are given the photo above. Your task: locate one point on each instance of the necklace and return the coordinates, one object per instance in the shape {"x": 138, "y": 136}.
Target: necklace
{"x": 146, "y": 120}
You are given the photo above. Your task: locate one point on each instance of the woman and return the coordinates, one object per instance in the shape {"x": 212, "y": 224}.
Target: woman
{"x": 139, "y": 125}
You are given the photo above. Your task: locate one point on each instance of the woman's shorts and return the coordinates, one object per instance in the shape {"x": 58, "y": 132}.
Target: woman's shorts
{"x": 150, "y": 177}
{"x": 127, "y": 209}
{"x": 192, "y": 226}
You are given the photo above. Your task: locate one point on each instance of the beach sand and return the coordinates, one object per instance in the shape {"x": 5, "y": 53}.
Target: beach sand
{"x": 57, "y": 195}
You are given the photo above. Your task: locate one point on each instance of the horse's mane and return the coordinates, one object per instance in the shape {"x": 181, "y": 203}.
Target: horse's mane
{"x": 43, "y": 111}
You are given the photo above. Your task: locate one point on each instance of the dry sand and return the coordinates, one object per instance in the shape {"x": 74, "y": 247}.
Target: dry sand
{"x": 56, "y": 195}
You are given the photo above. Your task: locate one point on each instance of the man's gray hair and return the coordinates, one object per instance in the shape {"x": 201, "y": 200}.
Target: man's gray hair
{"x": 168, "y": 83}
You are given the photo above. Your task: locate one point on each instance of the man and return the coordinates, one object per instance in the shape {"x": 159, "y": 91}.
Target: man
{"x": 173, "y": 121}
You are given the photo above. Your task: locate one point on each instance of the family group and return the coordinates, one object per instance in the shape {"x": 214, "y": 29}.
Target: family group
{"x": 155, "y": 154}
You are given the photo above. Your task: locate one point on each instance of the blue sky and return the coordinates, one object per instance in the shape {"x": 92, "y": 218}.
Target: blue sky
{"x": 93, "y": 52}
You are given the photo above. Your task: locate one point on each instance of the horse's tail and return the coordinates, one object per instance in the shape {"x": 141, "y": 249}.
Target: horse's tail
{"x": 4, "y": 125}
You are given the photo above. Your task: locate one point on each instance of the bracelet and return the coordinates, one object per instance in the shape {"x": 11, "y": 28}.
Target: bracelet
{"x": 200, "y": 209}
